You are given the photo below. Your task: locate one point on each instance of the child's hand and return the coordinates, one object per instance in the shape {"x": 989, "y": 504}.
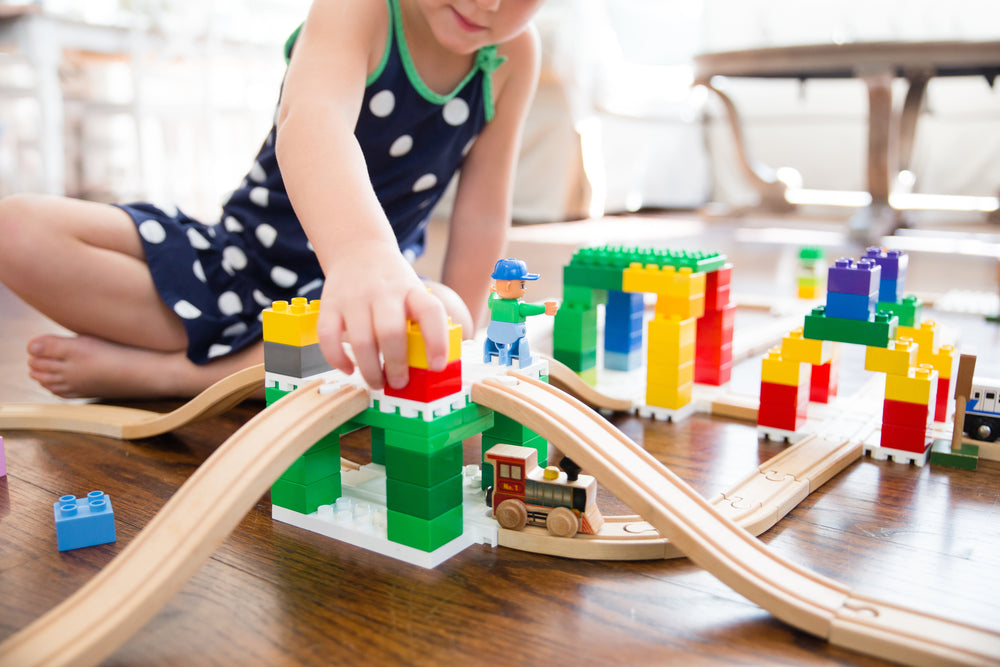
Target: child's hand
{"x": 368, "y": 295}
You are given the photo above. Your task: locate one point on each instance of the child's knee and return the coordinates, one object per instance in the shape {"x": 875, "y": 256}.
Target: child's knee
{"x": 16, "y": 228}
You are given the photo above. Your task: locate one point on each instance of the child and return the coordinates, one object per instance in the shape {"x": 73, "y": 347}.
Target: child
{"x": 382, "y": 102}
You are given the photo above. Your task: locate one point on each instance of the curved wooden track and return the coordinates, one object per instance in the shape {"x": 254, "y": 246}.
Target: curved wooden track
{"x": 793, "y": 594}
{"x": 99, "y": 617}
{"x": 755, "y": 503}
{"x": 560, "y": 375}
{"x": 130, "y": 423}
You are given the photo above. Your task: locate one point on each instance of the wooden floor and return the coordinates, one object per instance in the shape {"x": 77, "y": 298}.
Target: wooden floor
{"x": 274, "y": 594}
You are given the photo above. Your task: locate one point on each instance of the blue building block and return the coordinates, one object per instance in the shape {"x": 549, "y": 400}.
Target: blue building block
{"x": 623, "y": 322}
{"x": 849, "y": 277}
{"x": 84, "y": 522}
{"x": 622, "y": 361}
{"x": 850, "y": 306}
{"x": 890, "y": 291}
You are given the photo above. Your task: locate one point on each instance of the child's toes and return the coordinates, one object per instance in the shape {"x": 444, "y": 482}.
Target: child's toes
{"x": 50, "y": 347}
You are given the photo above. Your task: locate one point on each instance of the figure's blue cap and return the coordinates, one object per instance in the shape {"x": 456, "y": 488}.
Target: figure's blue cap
{"x": 512, "y": 269}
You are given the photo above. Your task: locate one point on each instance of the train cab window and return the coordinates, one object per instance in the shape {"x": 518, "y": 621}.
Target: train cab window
{"x": 975, "y": 394}
{"x": 508, "y": 471}
{"x": 990, "y": 395}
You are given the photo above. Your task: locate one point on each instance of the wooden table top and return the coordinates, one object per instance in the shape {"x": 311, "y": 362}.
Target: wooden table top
{"x": 274, "y": 594}
{"x": 852, "y": 59}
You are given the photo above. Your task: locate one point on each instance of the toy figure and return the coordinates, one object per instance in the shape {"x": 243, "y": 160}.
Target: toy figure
{"x": 505, "y": 336}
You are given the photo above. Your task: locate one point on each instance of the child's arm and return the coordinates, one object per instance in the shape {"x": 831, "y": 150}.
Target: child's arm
{"x": 482, "y": 210}
{"x": 369, "y": 289}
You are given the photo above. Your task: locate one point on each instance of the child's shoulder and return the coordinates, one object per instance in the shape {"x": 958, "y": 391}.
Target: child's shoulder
{"x": 523, "y": 60}
{"x": 333, "y": 22}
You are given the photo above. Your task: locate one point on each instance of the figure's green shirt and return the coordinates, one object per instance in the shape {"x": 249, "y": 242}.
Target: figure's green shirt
{"x": 512, "y": 310}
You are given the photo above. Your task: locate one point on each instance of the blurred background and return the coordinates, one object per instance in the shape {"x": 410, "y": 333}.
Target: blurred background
{"x": 168, "y": 100}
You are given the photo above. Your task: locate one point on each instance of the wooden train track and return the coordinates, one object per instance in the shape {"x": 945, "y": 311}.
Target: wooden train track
{"x": 130, "y": 423}
{"x": 793, "y": 594}
{"x": 103, "y": 614}
{"x": 755, "y": 503}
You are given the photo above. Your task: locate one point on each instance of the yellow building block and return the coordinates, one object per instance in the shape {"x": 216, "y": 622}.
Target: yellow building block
{"x": 666, "y": 356}
{"x": 923, "y": 336}
{"x": 776, "y": 369}
{"x": 796, "y": 348}
{"x": 943, "y": 360}
{"x": 918, "y": 386}
{"x": 416, "y": 353}
{"x": 897, "y": 359}
{"x": 809, "y": 291}
{"x": 666, "y": 280}
{"x": 671, "y": 332}
{"x": 672, "y": 398}
{"x": 670, "y": 376}
{"x": 684, "y": 307}
{"x": 292, "y": 323}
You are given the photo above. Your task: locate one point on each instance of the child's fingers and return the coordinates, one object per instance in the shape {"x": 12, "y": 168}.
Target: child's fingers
{"x": 390, "y": 332}
{"x": 429, "y": 313}
{"x": 330, "y": 329}
{"x": 366, "y": 353}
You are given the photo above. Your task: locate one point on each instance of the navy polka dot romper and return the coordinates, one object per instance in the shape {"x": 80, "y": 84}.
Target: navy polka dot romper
{"x": 218, "y": 277}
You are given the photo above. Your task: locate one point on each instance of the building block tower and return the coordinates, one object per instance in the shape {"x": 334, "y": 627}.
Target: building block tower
{"x": 689, "y": 337}
{"x": 291, "y": 358}
{"x": 416, "y": 434}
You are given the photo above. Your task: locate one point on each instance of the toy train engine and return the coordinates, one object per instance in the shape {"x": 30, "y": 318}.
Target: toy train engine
{"x": 982, "y": 411}
{"x": 523, "y": 493}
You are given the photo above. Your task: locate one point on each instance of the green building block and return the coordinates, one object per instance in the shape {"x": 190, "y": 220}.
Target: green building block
{"x": 322, "y": 460}
{"x": 378, "y": 445}
{"x": 406, "y": 465}
{"x": 575, "y": 296}
{"x": 577, "y": 361}
{"x": 424, "y": 534}
{"x": 272, "y": 394}
{"x": 874, "y": 333}
{"x": 305, "y": 498}
{"x": 393, "y": 421}
{"x": 967, "y": 458}
{"x": 592, "y": 276}
{"x": 908, "y": 311}
{"x": 419, "y": 443}
{"x": 424, "y": 502}
{"x": 511, "y": 431}
{"x": 575, "y": 329}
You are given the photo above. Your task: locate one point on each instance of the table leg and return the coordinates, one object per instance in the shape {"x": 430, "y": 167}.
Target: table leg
{"x": 770, "y": 190}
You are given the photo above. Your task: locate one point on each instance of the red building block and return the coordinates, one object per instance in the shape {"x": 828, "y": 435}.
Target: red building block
{"x": 715, "y": 327}
{"x": 942, "y": 400}
{"x": 717, "y": 288}
{"x": 824, "y": 380}
{"x": 426, "y": 385}
{"x": 713, "y": 375}
{"x": 783, "y": 406}
{"x": 903, "y": 413}
{"x": 907, "y": 438}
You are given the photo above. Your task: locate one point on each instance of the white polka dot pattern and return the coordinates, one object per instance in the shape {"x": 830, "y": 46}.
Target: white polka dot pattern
{"x": 382, "y": 103}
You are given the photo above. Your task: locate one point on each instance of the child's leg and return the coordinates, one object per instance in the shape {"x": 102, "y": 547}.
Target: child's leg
{"x": 82, "y": 265}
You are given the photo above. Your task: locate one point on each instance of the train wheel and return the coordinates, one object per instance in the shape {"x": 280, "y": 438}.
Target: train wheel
{"x": 985, "y": 431}
{"x": 561, "y": 522}
{"x": 512, "y": 514}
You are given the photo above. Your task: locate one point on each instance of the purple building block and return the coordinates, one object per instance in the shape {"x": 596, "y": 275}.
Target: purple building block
{"x": 848, "y": 277}
{"x": 893, "y": 262}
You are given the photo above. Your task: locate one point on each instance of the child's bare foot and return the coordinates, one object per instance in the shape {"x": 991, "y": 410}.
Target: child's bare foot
{"x": 84, "y": 366}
